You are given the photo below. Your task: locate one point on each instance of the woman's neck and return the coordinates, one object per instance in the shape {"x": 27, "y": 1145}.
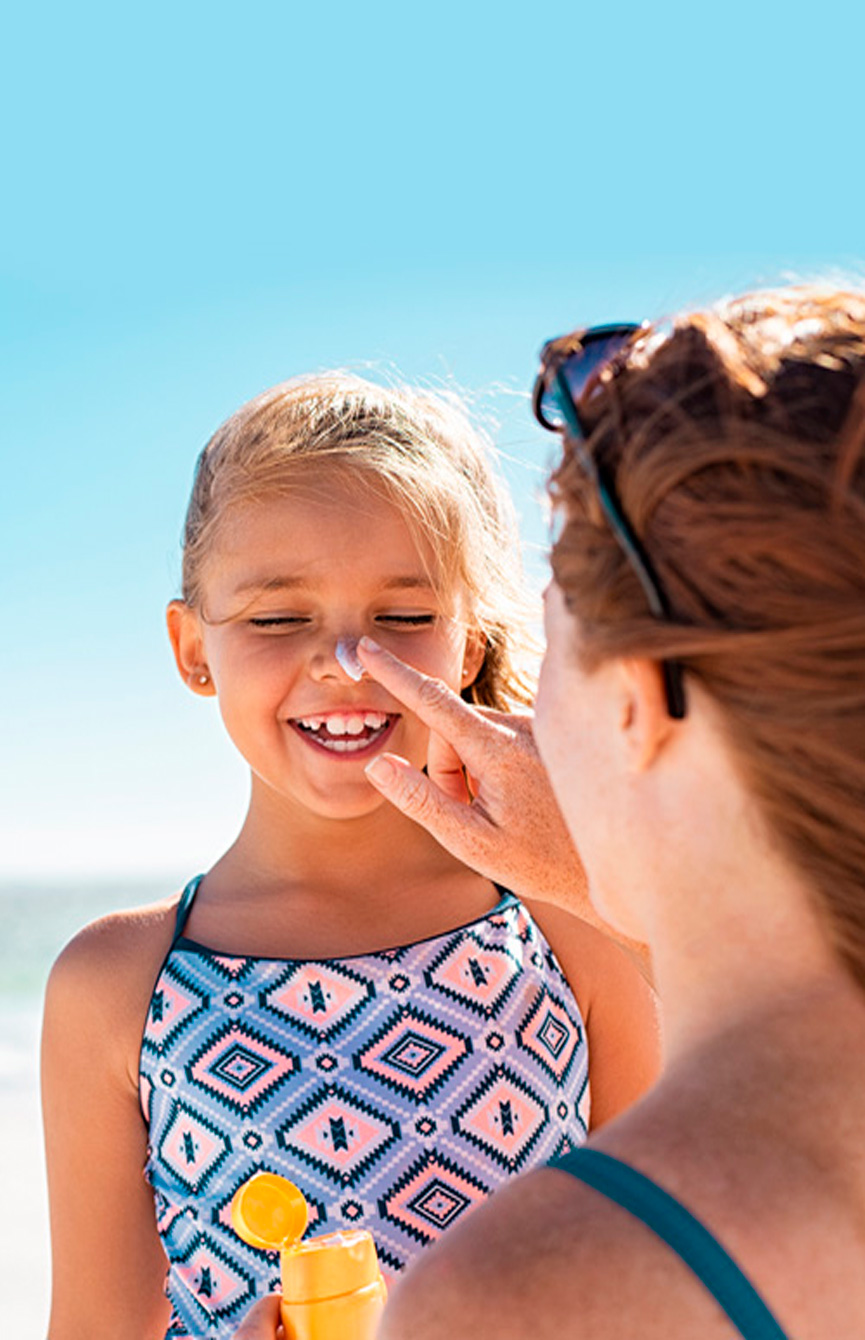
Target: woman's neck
{"x": 736, "y": 945}
{"x": 733, "y": 925}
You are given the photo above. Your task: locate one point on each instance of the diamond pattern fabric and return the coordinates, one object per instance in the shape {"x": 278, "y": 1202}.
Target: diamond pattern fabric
{"x": 398, "y": 1090}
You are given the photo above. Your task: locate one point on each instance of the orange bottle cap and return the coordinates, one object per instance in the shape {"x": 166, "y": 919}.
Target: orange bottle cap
{"x": 268, "y": 1212}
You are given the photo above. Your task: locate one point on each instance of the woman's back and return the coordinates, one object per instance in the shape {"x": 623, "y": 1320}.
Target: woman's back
{"x": 757, "y": 1135}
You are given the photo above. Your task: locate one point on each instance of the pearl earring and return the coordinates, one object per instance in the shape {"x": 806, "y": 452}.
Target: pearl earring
{"x": 204, "y": 679}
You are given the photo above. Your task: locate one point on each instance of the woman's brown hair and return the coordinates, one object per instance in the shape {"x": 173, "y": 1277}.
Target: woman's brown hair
{"x": 736, "y": 443}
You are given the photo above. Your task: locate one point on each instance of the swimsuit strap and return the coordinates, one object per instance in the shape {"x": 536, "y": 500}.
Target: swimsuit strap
{"x": 184, "y": 907}
{"x": 676, "y": 1226}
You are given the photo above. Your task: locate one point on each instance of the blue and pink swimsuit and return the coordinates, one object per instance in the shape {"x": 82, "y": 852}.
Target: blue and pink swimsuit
{"x": 397, "y": 1089}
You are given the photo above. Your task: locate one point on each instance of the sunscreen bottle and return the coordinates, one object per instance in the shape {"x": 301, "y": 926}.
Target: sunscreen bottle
{"x": 332, "y": 1288}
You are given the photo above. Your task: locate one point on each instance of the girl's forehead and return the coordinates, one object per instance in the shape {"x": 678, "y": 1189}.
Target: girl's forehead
{"x": 331, "y": 529}
{"x": 315, "y": 520}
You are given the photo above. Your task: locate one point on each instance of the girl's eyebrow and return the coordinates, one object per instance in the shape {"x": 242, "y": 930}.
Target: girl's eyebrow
{"x": 260, "y": 584}
{"x": 407, "y": 582}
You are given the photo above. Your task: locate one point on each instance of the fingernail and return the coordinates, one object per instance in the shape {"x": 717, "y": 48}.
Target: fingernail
{"x": 381, "y": 770}
{"x": 346, "y": 654}
{"x": 368, "y": 645}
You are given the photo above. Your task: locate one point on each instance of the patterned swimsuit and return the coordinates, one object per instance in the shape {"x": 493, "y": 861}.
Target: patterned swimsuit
{"x": 397, "y": 1089}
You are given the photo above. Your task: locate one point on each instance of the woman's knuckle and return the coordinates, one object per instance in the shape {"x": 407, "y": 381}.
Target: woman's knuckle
{"x": 433, "y": 693}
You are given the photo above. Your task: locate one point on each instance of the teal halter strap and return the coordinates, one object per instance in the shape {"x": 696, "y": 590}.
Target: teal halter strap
{"x": 676, "y": 1226}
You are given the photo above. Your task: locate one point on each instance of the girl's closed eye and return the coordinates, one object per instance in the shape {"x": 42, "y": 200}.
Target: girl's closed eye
{"x": 284, "y": 622}
{"x": 407, "y": 620}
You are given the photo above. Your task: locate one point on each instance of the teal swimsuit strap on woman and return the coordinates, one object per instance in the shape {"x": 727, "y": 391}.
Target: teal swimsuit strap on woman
{"x": 678, "y": 1228}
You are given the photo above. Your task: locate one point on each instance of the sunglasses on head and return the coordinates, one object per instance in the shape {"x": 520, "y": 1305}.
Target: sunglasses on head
{"x": 571, "y": 369}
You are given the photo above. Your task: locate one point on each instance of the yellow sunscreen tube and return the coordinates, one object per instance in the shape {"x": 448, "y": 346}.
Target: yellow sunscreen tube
{"x": 332, "y": 1287}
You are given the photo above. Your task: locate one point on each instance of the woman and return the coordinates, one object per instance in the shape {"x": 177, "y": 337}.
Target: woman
{"x": 708, "y": 752}
{"x": 701, "y": 715}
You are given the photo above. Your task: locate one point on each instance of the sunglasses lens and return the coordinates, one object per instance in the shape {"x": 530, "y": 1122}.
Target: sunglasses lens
{"x": 579, "y": 369}
{"x": 547, "y": 409}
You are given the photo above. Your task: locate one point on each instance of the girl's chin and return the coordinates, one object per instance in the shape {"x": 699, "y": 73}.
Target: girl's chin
{"x": 347, "y": 801}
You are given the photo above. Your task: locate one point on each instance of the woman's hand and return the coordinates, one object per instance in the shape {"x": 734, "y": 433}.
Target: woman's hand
{"x": 262, "y": 1321}
{"x": 486, "y": 796}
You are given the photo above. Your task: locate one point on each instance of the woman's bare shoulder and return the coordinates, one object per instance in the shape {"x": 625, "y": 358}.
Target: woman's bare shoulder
{"x": 548, "y": 1257}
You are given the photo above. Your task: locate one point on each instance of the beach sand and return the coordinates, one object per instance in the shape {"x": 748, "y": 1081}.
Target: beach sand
{"x": 24, "y": 1245}
{"x": 36, "y": 921}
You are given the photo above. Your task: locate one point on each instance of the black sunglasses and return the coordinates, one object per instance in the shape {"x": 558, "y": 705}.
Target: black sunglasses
{"x": 570, "y": 367}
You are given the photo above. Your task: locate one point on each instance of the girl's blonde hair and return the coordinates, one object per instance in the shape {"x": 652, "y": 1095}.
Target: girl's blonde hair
{"x": 420, "y": 451}
{"x": 736, "y": 446}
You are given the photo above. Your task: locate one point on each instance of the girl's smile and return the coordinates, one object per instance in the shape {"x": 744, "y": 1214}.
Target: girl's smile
{"x": 348, "y": 732}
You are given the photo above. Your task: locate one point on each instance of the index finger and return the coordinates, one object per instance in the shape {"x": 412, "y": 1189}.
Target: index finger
{"x": 430, "y": 699}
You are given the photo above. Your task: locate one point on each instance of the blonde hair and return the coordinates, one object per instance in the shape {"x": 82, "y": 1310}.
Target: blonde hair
{"x": 736, "y": 445}
{"x": 417, "y": 448}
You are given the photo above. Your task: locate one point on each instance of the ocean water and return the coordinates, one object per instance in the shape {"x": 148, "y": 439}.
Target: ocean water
{"x": 36, "y": 920}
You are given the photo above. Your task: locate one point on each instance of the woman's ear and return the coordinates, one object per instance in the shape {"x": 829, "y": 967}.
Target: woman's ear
{"x": 646, "y": 723}
{"x": 187, "y": 643}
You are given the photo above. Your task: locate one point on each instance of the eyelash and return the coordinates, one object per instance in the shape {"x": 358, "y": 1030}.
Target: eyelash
{"x": 402, "y": 620}
{"x": 276, "y": 621}
{"x": 411, "y": 620}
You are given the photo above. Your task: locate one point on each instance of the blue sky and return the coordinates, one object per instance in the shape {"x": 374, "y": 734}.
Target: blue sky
{"x": 203, "y": 200}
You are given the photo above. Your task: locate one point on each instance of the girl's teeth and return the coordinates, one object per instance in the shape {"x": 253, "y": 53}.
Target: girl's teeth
{"x": 353, "y": 725}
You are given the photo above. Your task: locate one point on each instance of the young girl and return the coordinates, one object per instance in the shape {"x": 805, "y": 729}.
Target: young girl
{"x": 337, "y": 999}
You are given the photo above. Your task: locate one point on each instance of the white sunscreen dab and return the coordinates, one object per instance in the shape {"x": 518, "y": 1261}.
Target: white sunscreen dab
{"x": 346, "y": 654}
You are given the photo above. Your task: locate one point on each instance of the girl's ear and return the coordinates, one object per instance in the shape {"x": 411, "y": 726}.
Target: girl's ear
{"x": 646, "y": 724}
{"x": 187, "y": 643}
{"x": 473, "y": 658}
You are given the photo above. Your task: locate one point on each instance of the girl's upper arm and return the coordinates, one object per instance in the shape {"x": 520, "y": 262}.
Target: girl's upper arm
{"x": 619, "y": 1010}
{"x": 108, "y": 1266}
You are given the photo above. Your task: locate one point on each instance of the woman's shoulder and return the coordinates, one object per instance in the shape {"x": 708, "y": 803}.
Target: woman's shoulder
{"x": 551, "y": 1256}
{"x": 548, "y": 1257}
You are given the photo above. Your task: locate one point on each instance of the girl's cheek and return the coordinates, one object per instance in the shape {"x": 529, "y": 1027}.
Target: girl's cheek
{"x": 426, "y": 650}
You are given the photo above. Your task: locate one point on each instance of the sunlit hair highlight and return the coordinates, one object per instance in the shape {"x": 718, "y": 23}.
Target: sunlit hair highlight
{"x": 736, "y": 442}
{"x": 417, "y": 449}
